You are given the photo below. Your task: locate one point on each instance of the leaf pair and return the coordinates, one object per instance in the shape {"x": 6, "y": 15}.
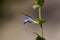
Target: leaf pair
{"x": 42, "y": 21}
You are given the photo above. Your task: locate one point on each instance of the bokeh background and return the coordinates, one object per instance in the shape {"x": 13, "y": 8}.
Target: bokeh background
{"x": 12, "y": 27}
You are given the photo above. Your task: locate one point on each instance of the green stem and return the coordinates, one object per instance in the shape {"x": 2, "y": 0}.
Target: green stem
{"x": 40, "y": 14}
{"x": 40, "y": 17}
{"x": 41, "y": 30}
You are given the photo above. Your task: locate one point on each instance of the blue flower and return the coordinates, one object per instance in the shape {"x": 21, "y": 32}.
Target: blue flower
{"x": 29, "y": 20}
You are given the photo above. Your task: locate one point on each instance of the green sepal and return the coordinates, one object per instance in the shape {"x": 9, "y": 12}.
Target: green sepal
{"x": 39, "y": 37}
{"x": 39, "y": 2}
{"x": 37, "y": 21}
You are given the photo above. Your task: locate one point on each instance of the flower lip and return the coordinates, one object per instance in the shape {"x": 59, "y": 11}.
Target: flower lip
{"x": 28, "y": 20}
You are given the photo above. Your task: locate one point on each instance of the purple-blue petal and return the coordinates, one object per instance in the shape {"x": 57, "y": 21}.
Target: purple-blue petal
{"x": 27, "y": 19}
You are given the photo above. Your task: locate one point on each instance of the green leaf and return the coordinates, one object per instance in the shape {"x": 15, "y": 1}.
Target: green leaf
{"x": 39, "y": 37}
{"x": 24, "y": 13}
{"x": 39, "y": 2}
